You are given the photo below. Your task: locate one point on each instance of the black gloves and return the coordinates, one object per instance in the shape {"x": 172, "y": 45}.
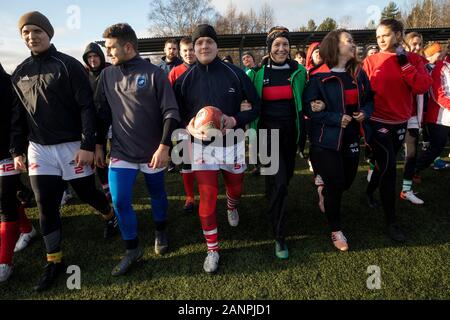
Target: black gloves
{"x": 402, "y": 58}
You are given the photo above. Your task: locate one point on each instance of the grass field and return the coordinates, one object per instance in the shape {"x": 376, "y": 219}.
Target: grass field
{"x": 420, "y": 269}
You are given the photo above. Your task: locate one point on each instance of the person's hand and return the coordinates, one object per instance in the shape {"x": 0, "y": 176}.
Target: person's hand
{"x": 228, "y": 122}
{"x": 84, "y": 158}
{"x": 246, "y": 106}
{"x": 99, "y": 156}
{"x": 19, "y": 163}
{"x": 196, "y": 133}
{"x": 346, "y": 119}
{"x": 359, "y": 116}
{"x": 317, "y": 106}
{"x": 160, "y": 158}
{"x": 402, "y": 57}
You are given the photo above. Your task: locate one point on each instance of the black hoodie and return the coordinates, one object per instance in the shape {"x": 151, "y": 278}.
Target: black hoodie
{"x": 94, "y": 75}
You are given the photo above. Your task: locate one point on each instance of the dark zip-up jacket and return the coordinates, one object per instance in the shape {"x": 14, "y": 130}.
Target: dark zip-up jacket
{"x": 326, "y": 130}
{"x": 217, "y": 84}
{"x": 168, "y": 66}
{"x": 137, "y": 99}
{"x": 54, "y": 89}
{"x": 6, "y": 104}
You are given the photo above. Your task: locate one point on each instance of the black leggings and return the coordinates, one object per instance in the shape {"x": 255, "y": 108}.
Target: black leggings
{"x": 438, "y": 135}
{"x": 8, "y": 199}
{"x": 277, "y": 185}
{"x": 48, "y": 191}
{"x": 338, "y": 170}
{"x": 411, "y": 146}
{"x": 386, "y": 142}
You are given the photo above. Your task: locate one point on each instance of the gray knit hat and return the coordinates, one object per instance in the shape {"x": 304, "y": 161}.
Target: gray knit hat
{"x": 38, "y": 19}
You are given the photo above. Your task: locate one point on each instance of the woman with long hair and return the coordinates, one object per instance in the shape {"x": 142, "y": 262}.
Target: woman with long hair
{"x": 343, "y": 89}
{"x": 395, "y": 76}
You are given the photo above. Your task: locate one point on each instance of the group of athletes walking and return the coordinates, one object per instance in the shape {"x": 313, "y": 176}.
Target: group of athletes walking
{"x": 58, "y": 116}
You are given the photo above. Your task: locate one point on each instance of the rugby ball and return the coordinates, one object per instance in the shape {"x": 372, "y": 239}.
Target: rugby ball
{"x": 209, "y": 118}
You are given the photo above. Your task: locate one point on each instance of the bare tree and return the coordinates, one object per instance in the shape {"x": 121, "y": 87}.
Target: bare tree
{"x": 427, "y": 14}
{"x": 178, "y": 17}
{"x": 345, "y": 21}
{"x": 266, "y": 17}
{"x": 234, "y": 22}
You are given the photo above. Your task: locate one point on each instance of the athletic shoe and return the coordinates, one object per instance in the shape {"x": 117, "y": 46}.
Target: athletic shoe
{"x": 440, "y": 164}
{"x": 67, "y": 196}
{"x": 281, "y": 250}
{"x": 211, "y": 263}
{"x": 411, "y": 197}
{"x": 161, "y": 242}
{"x": 396, "y": 233}
{"x": 111, "y": 228}
{"x": 5, "y": 272}
{"x": 189, "y": 207}
{"x": 51, "y": 273}
{"x": 131, "y": 258}
{"x": 339, "y": 240}
{"x": 25, "y": 239}
{"x": 321, "y": 199}
{"x": 318, "y": 181}
{"x": 233, "y": 217}
{"x": 371, "y": 202}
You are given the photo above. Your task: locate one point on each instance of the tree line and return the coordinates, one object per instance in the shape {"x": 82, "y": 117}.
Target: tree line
{"x": 180, "y": 17}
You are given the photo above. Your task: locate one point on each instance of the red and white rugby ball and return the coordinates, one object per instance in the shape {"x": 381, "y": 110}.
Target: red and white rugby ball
{"x": 209, "y": 118}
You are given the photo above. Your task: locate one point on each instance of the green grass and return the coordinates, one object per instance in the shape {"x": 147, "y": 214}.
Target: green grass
{"x": 419, "y": 269}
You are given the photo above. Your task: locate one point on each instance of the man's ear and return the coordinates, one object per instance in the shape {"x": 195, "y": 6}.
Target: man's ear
{"x": 128, "y": 47}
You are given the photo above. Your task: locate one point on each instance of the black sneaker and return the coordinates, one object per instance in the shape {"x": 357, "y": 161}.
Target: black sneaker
{"x": 371, "y": 202}
{"x": 189, "y": 207}
{"x": 396, "y": 233}
{"x": 111, "y": 228}
{"x": 131, "y": 258}
{"x": 51, "y": 272}
{"x": 161, "y": 242}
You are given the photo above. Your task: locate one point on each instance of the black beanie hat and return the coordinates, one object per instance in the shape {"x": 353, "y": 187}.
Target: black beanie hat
{"x": 38, "y": 19}
{"x": 277, "y": 32}
{"x": 204, "y": 30}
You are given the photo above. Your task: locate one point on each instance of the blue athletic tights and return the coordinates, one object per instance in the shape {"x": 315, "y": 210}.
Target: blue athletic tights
{"x": 121, "y": 182}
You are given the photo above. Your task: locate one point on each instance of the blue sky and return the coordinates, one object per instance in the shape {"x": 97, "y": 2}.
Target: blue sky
{"x": 95, "y": 16}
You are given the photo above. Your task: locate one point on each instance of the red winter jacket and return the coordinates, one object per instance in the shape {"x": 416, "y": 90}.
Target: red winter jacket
{"x": 439, "y": 101}
{"x": 395, "y": 86}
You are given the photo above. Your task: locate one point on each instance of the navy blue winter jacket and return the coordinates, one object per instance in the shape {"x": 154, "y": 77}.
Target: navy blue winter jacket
{"x": 326, "y": 130}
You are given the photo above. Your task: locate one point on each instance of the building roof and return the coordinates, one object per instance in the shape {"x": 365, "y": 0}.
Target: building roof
{"x": 257, "y": 40}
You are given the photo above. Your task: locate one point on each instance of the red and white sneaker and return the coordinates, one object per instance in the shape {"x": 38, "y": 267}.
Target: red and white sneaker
{"x": 339, "y": 240}
{"x": 411, "y": 197}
